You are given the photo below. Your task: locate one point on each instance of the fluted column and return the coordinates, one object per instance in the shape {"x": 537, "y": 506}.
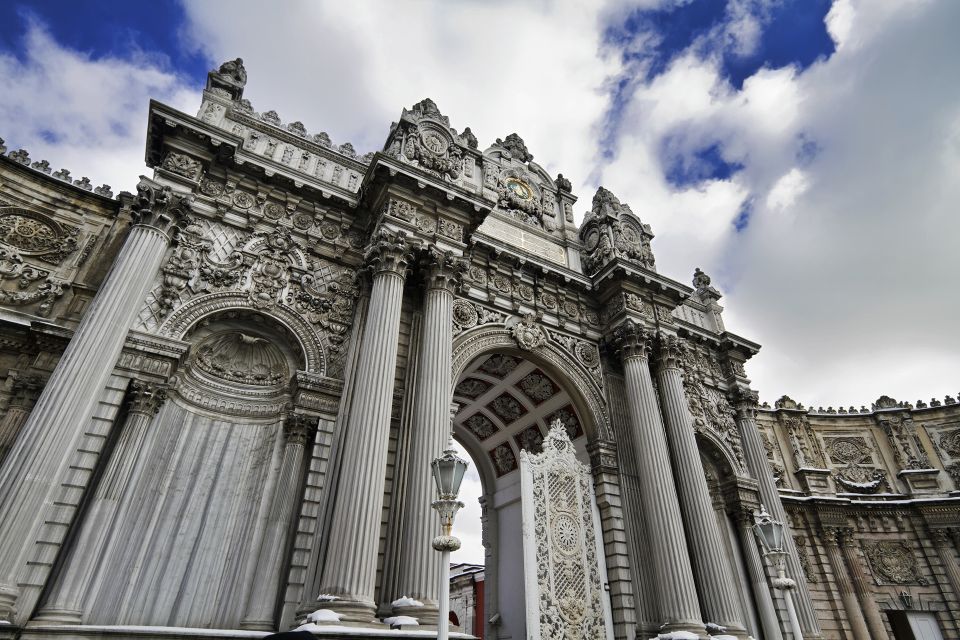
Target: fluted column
{"x": 834, "y": 538}
{"x": 420, "y": 565}
{"x": 948, "y": 557}
{"x": 33, "y": 470}
{"x": 110, "y": 504}
{"x": 23, "y": 395}
{"x": 676, "y": 593}
{"x": 350, "y": 571}
{"x": 766, "y": 610}
{"x": 755, "y": 455}
{"x": 710, "y": 564}
{"x": 298, "y": 430}
{"x": 871, "y": 612}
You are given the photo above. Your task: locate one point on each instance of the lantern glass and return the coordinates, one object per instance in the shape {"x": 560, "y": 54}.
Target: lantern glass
{"x": 448, "y": 471}
{"x": 769, "y": 531}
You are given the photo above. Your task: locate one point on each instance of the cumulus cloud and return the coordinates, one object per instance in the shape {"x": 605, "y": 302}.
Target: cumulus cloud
{"x": 349, "y": 68}
{"x": 84, "y": 113}
{"x": 845, "y": 270}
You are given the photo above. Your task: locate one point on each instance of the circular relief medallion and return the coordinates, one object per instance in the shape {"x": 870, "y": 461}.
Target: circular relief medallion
{"x": 846, "y": 450}
{"x": 592, "y": 240}
{"x": 303, "y": 221}
{"x": 519, "y": 189}
{"x": 26, "y": 232}
{"x": 243, "y": 200}
{"x": 464, "y": 314}
{"x": 273, "y": 211}
{"x": 587, "y": 354}
{"x": 501, "y": 283}
{"x": 565, "y": 534}
{"x": 330, "y": 231}
{"x": 434, "y": 142}
{"x": 571, "y": 310}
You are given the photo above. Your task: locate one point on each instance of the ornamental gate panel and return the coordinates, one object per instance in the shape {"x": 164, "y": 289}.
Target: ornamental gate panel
{"x": 563, "y": 577}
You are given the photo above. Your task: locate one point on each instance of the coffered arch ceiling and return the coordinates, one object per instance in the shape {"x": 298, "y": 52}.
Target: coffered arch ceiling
{"x": 506, "y": 403}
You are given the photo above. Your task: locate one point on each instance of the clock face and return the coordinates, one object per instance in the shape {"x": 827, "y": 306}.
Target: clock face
{"x": 519, "y": 189}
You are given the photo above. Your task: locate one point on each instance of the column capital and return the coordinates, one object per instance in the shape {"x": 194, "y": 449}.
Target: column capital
{"x": 837, "y": 536}
{"x": 25, "y": 390}
{"x": 156, "y": 205}
{"x": 943, "y": 536}
{"x": 389, "y": 252}
{"x": 299, "y": 428}
{"x": 632, "y": 340}
{"x": 443, "y": 269}
{"x": 669, "y": 351}
{"x": 145, "y": 397}
{"x": 603, "y": 456}
{"x": 744, "y": 401}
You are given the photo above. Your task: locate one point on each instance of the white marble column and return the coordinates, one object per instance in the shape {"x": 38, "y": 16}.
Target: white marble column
{"x": 110, "y": 504}
{"x": 834, "y": 538}
{"x": 766, "y": 610}
{"x": 711, "y": 565}
{"x": 871, "y": 612}
{"x": 23, "y": 395}
{"x": 948, "y": 556}
{"x": 350, "y": 571}
{"x": 33, "y": 470}
{"x": 755, "y": 454}
{"x": 262, "y": 600}
{"x": 676, "y": 594}
{"x": 430, "y": 429}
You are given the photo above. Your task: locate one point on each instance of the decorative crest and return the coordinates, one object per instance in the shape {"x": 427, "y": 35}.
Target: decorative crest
{"x": 230, "y": 77}
{"x": 516, "y": 146}
{"x": 611, "y": 230}
{"x": 528, "y": 334}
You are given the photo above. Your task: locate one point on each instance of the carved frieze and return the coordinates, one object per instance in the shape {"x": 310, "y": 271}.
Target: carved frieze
{"x": 34, "y": 234}
{"x": 904, "y": 441}
{"x": 183, "y": 165}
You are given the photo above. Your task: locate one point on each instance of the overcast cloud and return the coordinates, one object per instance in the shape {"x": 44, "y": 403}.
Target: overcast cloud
{"x": 834, "y": 236}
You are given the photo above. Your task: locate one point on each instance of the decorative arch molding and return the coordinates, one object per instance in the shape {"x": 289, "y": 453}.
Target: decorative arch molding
{"x": 585, "y": 393}
{"x": 179, "y": 323}
{"x": 712, "y": 446}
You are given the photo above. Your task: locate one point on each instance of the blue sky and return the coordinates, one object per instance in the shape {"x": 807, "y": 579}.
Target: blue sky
{"x": 804, "y": 153}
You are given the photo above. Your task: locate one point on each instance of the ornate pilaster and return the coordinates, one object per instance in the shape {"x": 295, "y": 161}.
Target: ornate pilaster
{"x": 710, "y": 565}
{"x": 744, "y": 401}
{"x": 298, "y": 430}
{"x": 766, "y": 610}
{"x": 350, "y": 571}
{"x": 677, "y": 601}
{"x": 111, "y": 502}
{"x": 23, "y": 395}
{"x": 948, "y": 556}
{"x": 835, "y": 538}
{"x": 41, "y": 456}
{"x": 420, "y": 566}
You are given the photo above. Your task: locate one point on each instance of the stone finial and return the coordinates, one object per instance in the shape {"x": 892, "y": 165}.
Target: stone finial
{"x": 104, "y": 190}
{"x": 297, "y": 129}
{"x": 83, "y": 183}
{"x": 20, "y": 155}
{"x": 517, "y": 148}
{"x": 563, "y": 184}
{"x": 886, "y": 402}
{"x": 63, "y": 174}
{"x": 700, "y": 279}
{"x": 322, "y": 139}
{"x": 427, "y": 108}
{"x": 3, "y": 145}
{"x": 42, "y": 165}
{"x": 347, "y": 149}
{"x": 231, "y": 77}
{"x": 786, "y": 402}
{"x": 271, "y": 117}
{"x": 468, "y": 138}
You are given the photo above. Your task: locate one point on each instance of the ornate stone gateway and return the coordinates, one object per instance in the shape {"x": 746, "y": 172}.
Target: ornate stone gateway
{"x": 563, "y": 574}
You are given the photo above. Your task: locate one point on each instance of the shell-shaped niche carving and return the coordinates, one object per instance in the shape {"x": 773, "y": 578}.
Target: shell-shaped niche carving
{"x": 243, "y": 358}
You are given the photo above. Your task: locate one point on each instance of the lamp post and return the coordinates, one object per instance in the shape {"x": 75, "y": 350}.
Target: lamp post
{"x": 771, "y": 535}
{"x": 448, "y": 472}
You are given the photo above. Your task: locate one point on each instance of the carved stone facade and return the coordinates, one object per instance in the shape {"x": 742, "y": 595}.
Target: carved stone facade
{"x": 220, "y": 392}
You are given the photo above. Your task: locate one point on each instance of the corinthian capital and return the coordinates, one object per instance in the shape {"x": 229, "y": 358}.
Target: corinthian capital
{"x": 669, "y": 351}
{"x": 157, "y": 205}
{"x": 389, "y": 251}
{"x": 145, "y": 397}
{"x": 25, "y": 390}
{"x": 632, "y": 340}
{"x": 299, "y": 428}
{"x": 744, "y": 400}
{"x": 443, "y": 269}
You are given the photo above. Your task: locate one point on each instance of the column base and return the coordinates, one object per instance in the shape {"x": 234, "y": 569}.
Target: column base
{"x": 257, "y": 625}
{"x": 681, "y": 628}
{"x": 55, "y": 615}
{"x": 427, "y": 615}
{"x": 359, "y": 613}
{"x": 8, "y": 600}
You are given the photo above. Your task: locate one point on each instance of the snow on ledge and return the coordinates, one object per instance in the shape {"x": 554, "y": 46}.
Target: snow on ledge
{"x": 678, "y": 635}
{"x": 404, "y": 601}
{"x": 324, "y": 615}
{"x": 367, "y": 632}
{"x": 132, "y": 630}
{"x": 401, "y": 621}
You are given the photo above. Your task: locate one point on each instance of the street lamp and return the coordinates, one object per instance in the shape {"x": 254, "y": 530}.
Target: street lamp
{"x": 771, "y": 535}
{"x": 448, "y": 472}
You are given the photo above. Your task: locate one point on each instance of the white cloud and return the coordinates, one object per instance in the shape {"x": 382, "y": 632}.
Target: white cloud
{"x": 850, "y": 292}
{"x": 83, "y": 113}
{"x": 349, "y": 68}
